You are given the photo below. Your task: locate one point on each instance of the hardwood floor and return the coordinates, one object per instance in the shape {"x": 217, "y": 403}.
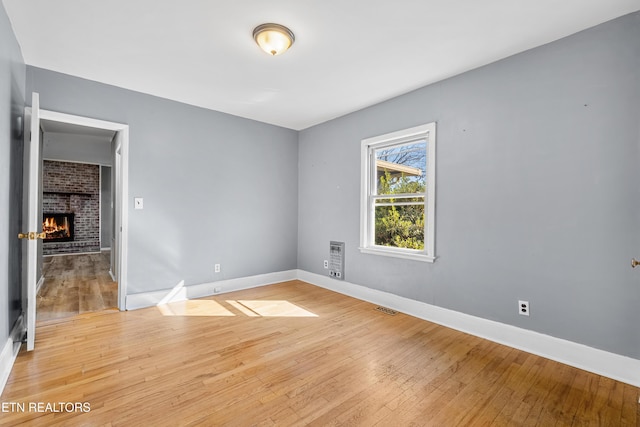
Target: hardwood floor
{"x": 295, "y": 354}
{"x": 76, "y": 284}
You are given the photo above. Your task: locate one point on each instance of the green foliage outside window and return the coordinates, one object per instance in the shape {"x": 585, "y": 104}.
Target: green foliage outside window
{"x": 400, "y": 226}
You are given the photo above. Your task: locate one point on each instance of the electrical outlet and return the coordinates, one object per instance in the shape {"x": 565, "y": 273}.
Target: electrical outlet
{"x": 523, "y": 308}
{"x": 217, "y": 268}
{"x": 326, "y": 263}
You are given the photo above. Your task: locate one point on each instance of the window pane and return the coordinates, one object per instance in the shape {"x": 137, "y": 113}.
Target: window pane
{"x": 401, "y": 169}
{"x": 400, "y": 226}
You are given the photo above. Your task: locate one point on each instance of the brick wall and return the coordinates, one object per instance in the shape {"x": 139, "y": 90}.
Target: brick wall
{"x": 73, "y": 187}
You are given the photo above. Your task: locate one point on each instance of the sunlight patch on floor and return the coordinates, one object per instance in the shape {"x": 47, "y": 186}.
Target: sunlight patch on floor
{"x": 250, "y": 308}
{"x": 245, "y": 310}
{"x": 276, "y": 308}
{"x": 194, "y": 308}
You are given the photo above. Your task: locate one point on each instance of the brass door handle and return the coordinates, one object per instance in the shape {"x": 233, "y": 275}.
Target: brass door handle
{"x": 32, "y": 235}
{"x": 634, "y": 263}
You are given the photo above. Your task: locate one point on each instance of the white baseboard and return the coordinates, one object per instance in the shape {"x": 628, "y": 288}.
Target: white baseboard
{"x": 611, "y": 365}
{"x": 181, "y": 292}
{"x": 10, "y": 351}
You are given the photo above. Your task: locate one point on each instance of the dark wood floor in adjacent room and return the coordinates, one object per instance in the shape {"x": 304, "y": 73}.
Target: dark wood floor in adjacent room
{"x": 295, "y": 354}
{"x": 76, "y": 284}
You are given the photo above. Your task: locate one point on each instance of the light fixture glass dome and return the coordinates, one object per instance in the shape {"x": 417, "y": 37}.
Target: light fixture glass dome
{"x": 273, "y": 38}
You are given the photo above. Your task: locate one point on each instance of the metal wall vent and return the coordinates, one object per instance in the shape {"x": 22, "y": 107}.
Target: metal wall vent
{"x": 386, "y": 310}
{"x": 336, "y": 260}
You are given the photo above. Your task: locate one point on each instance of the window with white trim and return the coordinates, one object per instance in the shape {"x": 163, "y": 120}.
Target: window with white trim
{"x": 398, "y": 194}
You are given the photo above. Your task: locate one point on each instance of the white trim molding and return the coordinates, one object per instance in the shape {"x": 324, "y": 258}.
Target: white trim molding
{"x": 10, "y": 351}
{"x": 181, "y": 292}
{"x": 611, "y": 365}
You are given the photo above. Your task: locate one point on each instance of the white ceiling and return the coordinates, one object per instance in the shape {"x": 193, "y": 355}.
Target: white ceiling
{"x": 348, "y": 54}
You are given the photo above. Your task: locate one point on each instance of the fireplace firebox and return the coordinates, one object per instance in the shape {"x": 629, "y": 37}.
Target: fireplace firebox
{"x": 58, "y": 227}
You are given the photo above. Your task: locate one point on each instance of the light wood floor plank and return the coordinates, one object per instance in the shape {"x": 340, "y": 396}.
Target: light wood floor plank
{"x": 244, "y": 358}
{"x": 76, "y": 284}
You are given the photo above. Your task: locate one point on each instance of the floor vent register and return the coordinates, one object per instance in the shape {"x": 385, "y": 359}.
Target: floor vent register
{"x": 386, "y": 310}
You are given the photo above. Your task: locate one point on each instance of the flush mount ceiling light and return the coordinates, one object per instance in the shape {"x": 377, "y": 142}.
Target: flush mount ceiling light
{"x": 273, "y": 38}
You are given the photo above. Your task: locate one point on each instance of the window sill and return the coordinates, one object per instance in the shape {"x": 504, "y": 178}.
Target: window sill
{"x": 397, "y": 254}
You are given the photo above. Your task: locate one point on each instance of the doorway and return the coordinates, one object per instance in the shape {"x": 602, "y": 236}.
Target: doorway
{"x": 110, "y": 258}
{"x": 77, "y": 215}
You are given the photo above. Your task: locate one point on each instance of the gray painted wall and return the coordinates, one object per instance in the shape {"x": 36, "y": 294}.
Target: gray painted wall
{"x": 537, "y": 190}
{"x": 12, "y": 90}
{"x": 76, "y": 148}
{"x": 217, "y": 188}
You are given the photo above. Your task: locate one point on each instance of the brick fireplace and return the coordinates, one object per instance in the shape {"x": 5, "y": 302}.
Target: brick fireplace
{"x": 72, "y": 191}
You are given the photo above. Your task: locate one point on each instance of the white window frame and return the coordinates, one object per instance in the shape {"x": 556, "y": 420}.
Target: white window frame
{"x": 368, "y": 146}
